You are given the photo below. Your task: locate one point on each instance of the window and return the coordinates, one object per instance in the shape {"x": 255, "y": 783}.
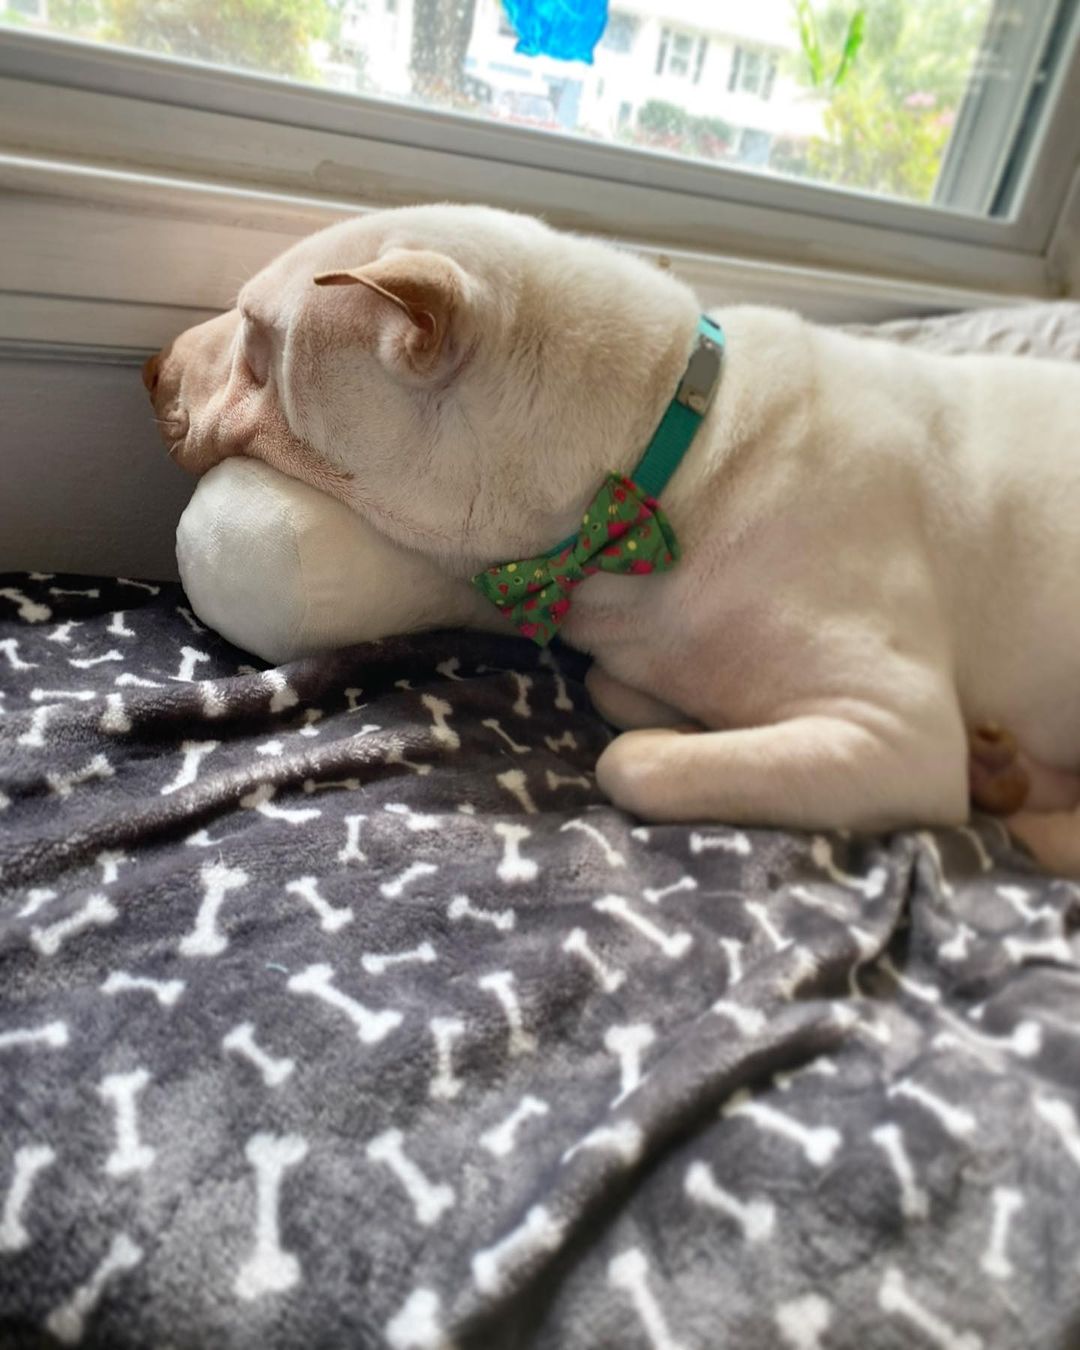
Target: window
{"x": 752, "y": 72}
{"x": 680, "y": 54}
{"x": 939, "y": 102}
{"x": 754, "y": 146}
{"x": 620, "y": 33}
{"x": 881, "y": 121}
{"x": 944, "y": 149}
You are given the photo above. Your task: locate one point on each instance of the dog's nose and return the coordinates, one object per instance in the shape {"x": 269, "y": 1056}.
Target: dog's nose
{"x": 150, "y": 372}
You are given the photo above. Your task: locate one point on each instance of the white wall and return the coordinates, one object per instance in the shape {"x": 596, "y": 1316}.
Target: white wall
{"x": 87, "y": 485}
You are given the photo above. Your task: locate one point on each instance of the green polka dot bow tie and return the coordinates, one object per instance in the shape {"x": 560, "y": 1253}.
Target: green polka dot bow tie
{"x": 624, "y": 530}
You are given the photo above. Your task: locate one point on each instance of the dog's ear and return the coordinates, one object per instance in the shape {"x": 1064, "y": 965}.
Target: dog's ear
{"x": 415, "y": 324}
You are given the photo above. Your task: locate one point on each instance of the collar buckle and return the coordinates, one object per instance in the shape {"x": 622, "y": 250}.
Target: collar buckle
{"x": 698, "y": 386}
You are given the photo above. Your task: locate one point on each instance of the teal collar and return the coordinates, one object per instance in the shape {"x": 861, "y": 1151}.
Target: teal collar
{"x": 624, "y": 530}
{"x": 684, "y": 414}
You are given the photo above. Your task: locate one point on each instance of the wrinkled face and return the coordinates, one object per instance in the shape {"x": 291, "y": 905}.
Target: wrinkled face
{"x": 445, "y": 371}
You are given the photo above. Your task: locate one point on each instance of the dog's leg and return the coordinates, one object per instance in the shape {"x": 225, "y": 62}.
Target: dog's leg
{"x": 1053, "y": 837}
{"x": 624, "y": 707}
{"x": 814, "y": 771}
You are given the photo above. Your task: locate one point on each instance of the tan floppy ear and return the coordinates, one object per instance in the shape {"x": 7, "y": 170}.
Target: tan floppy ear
{"x": 415, "y": 330}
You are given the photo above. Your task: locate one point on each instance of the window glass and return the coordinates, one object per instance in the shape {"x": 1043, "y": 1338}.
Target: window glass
{"x": 864, "y": 94}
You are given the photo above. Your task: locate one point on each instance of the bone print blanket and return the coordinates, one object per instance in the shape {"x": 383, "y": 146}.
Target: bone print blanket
{"x": 337, "y": 1008}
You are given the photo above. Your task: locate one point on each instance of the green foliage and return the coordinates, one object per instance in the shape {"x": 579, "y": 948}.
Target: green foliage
{"x": 75, "y": 16}
{"x": 876, "y": 146}
{"x": 890, "y": 114}
{"x": 814, "y": 52}
{"x": 663, "y": 119}
{"x": 271, "y": 36}
{"x": 670, "y": 127}
{"x": 852, "y": 42}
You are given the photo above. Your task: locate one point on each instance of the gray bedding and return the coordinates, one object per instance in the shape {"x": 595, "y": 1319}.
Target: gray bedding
{"x": 337, "y": 1009}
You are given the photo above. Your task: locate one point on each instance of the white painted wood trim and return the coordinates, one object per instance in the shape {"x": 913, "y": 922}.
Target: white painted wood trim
{"x": 1064, "y": 253}
{"x": 68, "y": 65}
{"x": 105, "y": 258}
{"x": 181, "y": 124}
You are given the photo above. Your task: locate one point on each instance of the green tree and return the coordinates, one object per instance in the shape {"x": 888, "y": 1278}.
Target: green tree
{"x": 888, "y": 121}
{"x": 82, "y": 17}
{"x": 272, "y": 36}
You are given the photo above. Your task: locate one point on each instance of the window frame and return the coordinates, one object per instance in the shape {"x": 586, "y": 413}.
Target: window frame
{"x": 73, "y": 65}
{"x": 148, "y": 129}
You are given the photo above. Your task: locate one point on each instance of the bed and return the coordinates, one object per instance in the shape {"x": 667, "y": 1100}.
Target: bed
{"x": 338, "y": 1008}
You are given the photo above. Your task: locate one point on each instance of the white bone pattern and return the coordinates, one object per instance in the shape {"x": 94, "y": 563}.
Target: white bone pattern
{"x": 331, "y": 918}
{"x": 461, "y": 907}
{"x": 415, "y": 1326}
{"x": 242, "y": 1041}
{"x": 97, "y": 912}
{"x": 514, "y": 867}
{"x": 270, "y": 1269}
{"x": 517, "y": 784}
{"x": 755, "y": 1217}
{"x": 67, "y": 1323}
{"x": 502, "y": 983}
{"x": 650, "y": 925}
{"x": 803, "y": 1321}
{"x": 217, "y": 881}
{"x": 500, "y": 1139}
{"x": 130, "y": 1153}
{"x": 627, "y": 1044}
{"x": 445, "y": 1085}
{"x": 429, "y": 1199}
{"x": 493, "y": 1267}
{"x": 371, "y": 1026}
{"x": 609, "y": 979}
{"x": 895, "y": 1299}
{"x": 629, "y": 1272}
{"x": 818, "y": 1143}
{"x": 165, "y": 991}
{"x": 29, "y": 1161}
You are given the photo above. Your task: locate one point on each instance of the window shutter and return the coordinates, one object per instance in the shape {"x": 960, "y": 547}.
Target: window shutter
{"x": 736, "y": 62}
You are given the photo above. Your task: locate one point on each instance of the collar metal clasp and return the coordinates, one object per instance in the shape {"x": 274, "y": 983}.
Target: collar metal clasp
{"x": 698, "y": 386}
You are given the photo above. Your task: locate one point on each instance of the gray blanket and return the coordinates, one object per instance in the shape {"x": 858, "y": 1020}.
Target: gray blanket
{"x": 337, "y": 1009}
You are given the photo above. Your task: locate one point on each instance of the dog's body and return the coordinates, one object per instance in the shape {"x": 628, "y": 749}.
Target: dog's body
{"x": 879, "y": 546}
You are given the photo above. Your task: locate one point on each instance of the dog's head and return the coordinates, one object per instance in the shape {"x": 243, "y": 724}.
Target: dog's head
{"x": 459, "y": 376}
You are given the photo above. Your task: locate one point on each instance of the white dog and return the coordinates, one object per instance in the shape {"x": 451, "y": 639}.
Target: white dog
{"x": 880, "y": 548}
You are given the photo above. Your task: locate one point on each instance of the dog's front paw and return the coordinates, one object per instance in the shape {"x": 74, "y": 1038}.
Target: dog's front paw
{"x": 639, "y": 769}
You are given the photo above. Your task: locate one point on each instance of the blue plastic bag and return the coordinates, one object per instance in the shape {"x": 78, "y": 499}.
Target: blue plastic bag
{"x": 565, "y": 29}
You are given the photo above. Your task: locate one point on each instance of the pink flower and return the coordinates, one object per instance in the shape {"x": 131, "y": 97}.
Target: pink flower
{"x": 920, "y": 99}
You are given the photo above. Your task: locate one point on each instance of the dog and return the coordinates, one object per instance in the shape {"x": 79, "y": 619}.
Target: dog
{"x": 879, "y": 547}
